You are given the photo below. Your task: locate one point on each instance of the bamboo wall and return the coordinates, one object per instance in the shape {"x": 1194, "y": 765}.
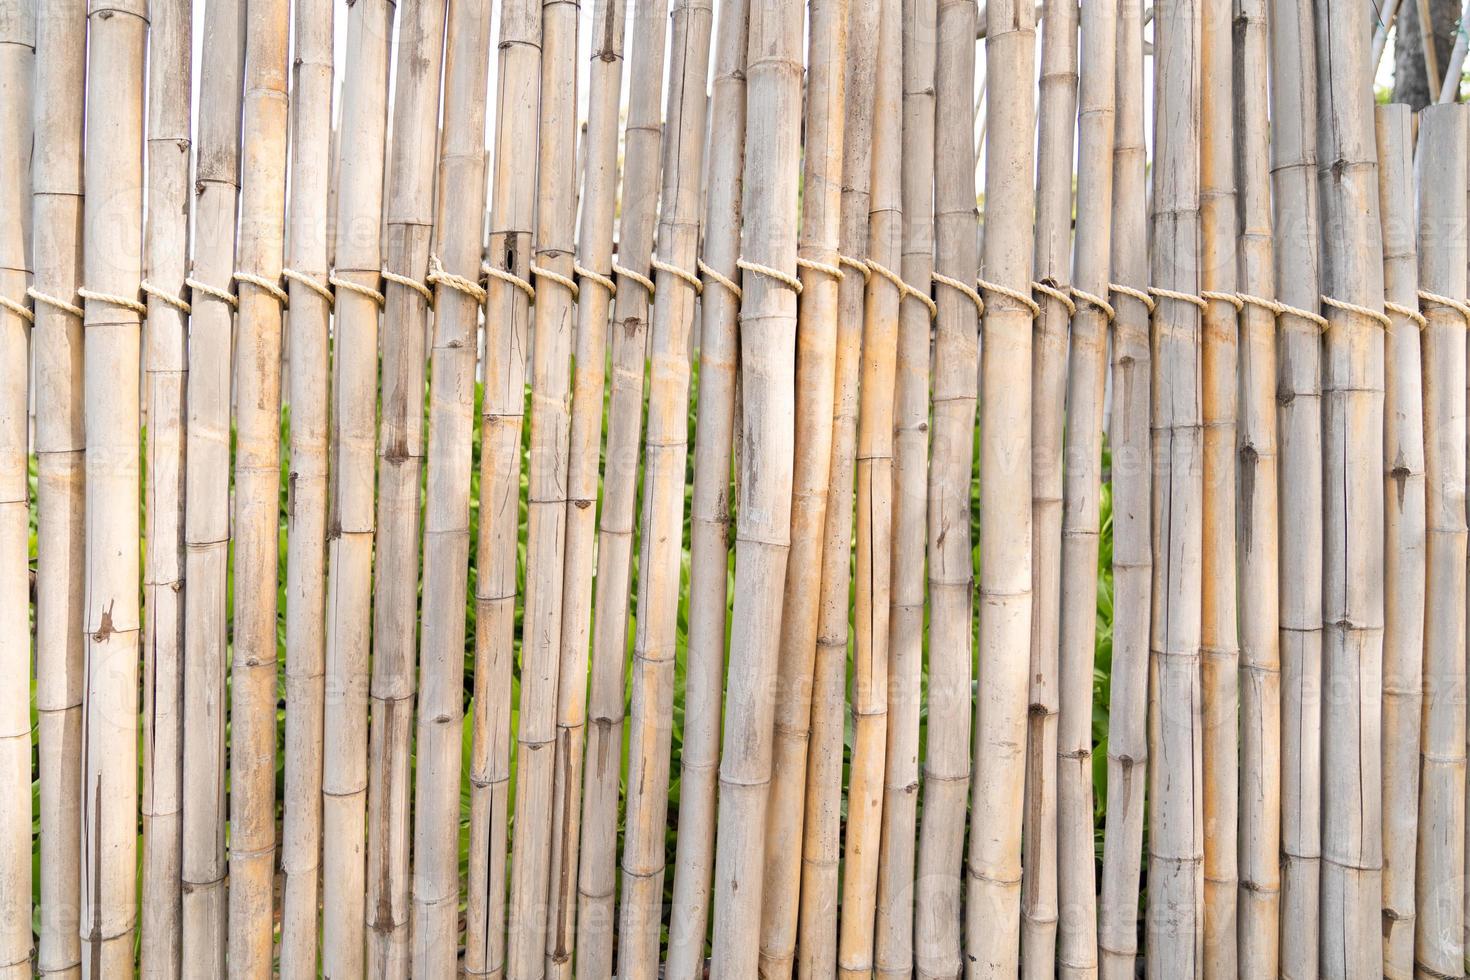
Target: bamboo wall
{"x": 729, "y": 493}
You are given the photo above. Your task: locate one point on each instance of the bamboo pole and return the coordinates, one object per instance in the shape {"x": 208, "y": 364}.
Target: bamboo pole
{"x": 206, "y": 494}
{"x": 113, "y": 223}
{"x": 1424, "y": 452}
{"x": 594, "y": 239}
{"x": 458, "y": 230}
{"x": 872, "y": 569}
{"x": 351, "y": 527}
{"x": 165, "y": 360}
{"x": 1449, "y": 89}
{"x": 994, "y": 888}
{"x": 643, "y": 138}
{"x": 662, "y": 522}
{"x": 17, "y": 82}
{"x": 507, "y": 315}
{"x": 1299, "y": 419}
{"x": 1057, "y": 122}
{"x": 1081, "y": 510}
{"x": 409, "y": 215}
{"x": 1385, "y": 19}
{"x": 1259, "y": 898}
{"x": 306, "y": 529}
{"x": 1352, "y": 436}
{"x": 767, "y": 342}
{"x": 710, "y": 503}
{"x": 56, "y": 187}
{"x": 937, "y": 945}
{"x": 1428, "y": 49}
{"x": 816, "y": 379}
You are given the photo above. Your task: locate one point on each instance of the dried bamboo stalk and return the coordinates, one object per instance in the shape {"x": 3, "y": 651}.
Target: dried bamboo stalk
{"x": 994, "y": 889}
{"x": 763, "y": 527}
{"x": 206, "y": 494}
{"x": 710, "y": 504}
{"x": 351, "y": 528}
{"x": 306, "y": 513}
{"x": 816, "y": 378}
{"x": 597, "y": 881}
{"x": 1132, "y": 480}
{"x": 1056, "y": 129}
{"x": 409, "y": 216}
{"x": 662, "y": 522}
{"x": 1352, "y": 554}
{"x": 1082, "y": 485}
{"x": 1259, "y": 898}
{"x": 458, "y": 232}
{"x": 17, "y": 81}
{"x": 872, "y": 569}
{"x": 113, "y": 226}
{"x": 56, "y": 189}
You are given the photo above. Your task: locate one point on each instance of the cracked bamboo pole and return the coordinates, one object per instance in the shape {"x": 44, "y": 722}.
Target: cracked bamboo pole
{"x": 113, "y": 226}
{"x": 56, "y": 188}
{"x": 206, "y": 494}
{"x": 351, "y": 528}
{"x": 409, "y": 216}
{"x": 1352, "y": 554}
{"x": 994, "y": 863}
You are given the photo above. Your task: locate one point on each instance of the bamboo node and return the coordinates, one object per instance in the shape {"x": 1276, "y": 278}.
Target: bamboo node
{"x": 1426, "y": 297}
{"x": 593, "y": 276}
{"x": 1159, "y": 292}
{"x": 1376, "y": 315}
{"x": 1083, "y": 296}
{"x": 1009, "y": 293}
{"x": 55, "y": 302}
{"x": 411, "y": 283}
{"x": 109, "y": 298}
{"x": 786, "y": 279}
{"x": 961, "y": 287}
{"x": 312, "y": 283}
{"x": 19, "y": 309}
{"x": 195, "y": 286}
{"x": 261, "y": 282}
{"x": 1138, "y": 294}
{"x": 510, "y": 277}
{"x": 353, "y": 287}
{"x": 439, "y": 277}
{"x": 566, "y": 281}
{"x": 637, "y": 277}
{"x": 694, "y": 281}
{"x": 721, "y": 279}
{"x": 1407, "y": 312}
{"x": 860, "y": 265}
{"x": 904, "y": 289}
{"x": 835, "y": 271}
{"x": 1053, "y": 292}
{"x": 1216, "y": 296}
{"x": 165, "y": 297}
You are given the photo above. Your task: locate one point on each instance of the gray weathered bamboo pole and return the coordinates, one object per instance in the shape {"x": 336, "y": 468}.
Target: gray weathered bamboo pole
{"x": 409, "y": 215}
{"x": 1082, "y": 485}
{"x": 165, "y": 363}
{"x": 458, "y": 238}
{"x": 1449, "y": 88}
{"x": 662, "y": 522}
{"x": 310, "y": 377}
{"x": 56, "y": 188}
{"x": 17, "y": 81}
{"x": 768, "y": 375}
{"x": 1259, "y": 898}
{"x": 1352, "y": 554}
{"x": 206, "y": 493}
{"x": 113, "y": 225}
{"x": 872, "y": 568}
{"x": 1385, "y": 18}
{"x": 351, "y": 531}
{"x": 1056, "y": 129}
{"x": 710, "y": 503}
{"x": 999, "y": 755}
{"x": 643, "y": 139}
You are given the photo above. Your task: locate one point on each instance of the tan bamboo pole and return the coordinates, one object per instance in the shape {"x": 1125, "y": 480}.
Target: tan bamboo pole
{"x": 1424, "y": 453}
{"x": 507, "y": 320}
{"x": 1259, "y": 898}
{"x": 1449, "y": 88}
{"x": 1132, "y": 479}
{"x": 662, "y": 521}
{"x": 816, "y": 378}
{"x": 873, "y": 465}
{"x": 709, "y": 506}
{"x": 17, "y": 82}
{"x": 206, "y": 493}
{"x": 1299, "y": 420}
{"x": 113, "y": 225}
{"x": 946, "y": 778}
{"x": 597, "y": 879}
{"x": 765, "y": 468}
{"x": 165, "y": 361}
{"x": 1056, "y": 128}
{"x": 999, "y": 756}
{"x": 306, "y": 516}
{"x": 1082, "y": 485}
{"x": 56, "y": 187}
{"x": 1219, "y": 642}
{"x": 409, "y": 215}
{"x": 351, "y": 528}
{"x": 599, "y": 153}
{"x": 1352, "y": 437}
{"x": 458, "y": 237}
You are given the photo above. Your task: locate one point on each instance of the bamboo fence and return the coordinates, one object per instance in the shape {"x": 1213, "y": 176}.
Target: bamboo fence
{"x": 731, "y": 508}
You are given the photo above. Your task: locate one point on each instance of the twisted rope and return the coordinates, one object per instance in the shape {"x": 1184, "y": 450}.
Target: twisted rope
{"x": 1012, "y": 294}
{"x": 610, "y": 285}
{"x": 353, "y": 287}
{"x": 556, "y": 277}
{"x": 1056, "y": 294}
{"x": 694, "y": 281}
{"x": 55, "y": 302}
{"x": 437, "y": 276}
{"x": 786, "y": 279}
{"x": 1141, "y": 295}
{"x": 1159, "y": 292}
{"x": 961, "y": 287}
{"x": 1232, "y": 298}
{"x": 19, "y": 309}
{"x": 1280, "y": 309}
{"x": 165, "y": 297}
{"x": 720, "y": 279}
{"x": 860, "y": 265}
{"x": 1375, "y": 315}
{"x": 111, "y": 299}
{"x": 904, "y": 289}
{"x": 311, "y": 283}
{"x": 1083, "y": 296}
{"x": 260, "y": 282}
{"x": 1407, "y": 312}
{"x": 195, "y": 286}
{"x": 510, "y": 277}
{"x": 411, "y": 283}
{"x": 1437, "y": 300}
{"x": 835, "y": 271}
{"x": 637, "y": 277}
